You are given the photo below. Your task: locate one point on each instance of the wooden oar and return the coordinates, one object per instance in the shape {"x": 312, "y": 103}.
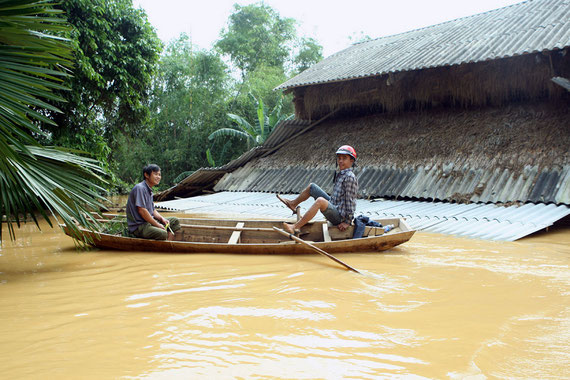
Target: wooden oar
{"x": 317, "y": 249}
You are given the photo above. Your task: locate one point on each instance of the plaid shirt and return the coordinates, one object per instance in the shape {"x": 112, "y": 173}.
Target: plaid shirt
{"x": 344, "y": 194}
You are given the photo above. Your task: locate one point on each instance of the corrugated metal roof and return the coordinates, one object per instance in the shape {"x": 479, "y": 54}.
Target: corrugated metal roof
{"x": 430, "y": 183}
{"x": 483, "y": 221}
{"x": 528, "y": 27}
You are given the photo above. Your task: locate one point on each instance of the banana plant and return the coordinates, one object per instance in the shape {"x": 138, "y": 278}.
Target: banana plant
{"x": 257, "y": 133}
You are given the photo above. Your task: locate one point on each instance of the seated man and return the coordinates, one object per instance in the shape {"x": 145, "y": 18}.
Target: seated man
{"x": 143, "y": 220}
{"x": 338, "y": 209}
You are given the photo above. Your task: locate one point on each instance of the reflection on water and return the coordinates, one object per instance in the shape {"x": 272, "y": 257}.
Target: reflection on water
{"x": 435, "y": 307}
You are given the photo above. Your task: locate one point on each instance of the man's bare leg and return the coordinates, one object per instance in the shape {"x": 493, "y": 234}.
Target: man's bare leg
{"x": 303, "y": 196}
{"x": 320, "y": 204}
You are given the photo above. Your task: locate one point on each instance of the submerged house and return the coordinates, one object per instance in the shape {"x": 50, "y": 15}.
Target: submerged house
{"x": 460, "y": 127}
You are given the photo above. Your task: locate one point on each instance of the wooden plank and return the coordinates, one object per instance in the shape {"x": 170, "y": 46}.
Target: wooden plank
{"x": 326, "y": 235}
{"x": 226, "y": 228}
{"x": 236, "y": 234}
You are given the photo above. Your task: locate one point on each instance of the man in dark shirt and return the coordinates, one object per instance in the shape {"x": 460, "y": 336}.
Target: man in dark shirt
{"x": 142, "y": 218}
{"x": 338, "y": 209}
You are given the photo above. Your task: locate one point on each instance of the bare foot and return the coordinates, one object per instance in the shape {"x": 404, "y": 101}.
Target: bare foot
{"x": 289, "y": 228}
{"x": 287, "y": 203}
{"x": 170, "y": 236}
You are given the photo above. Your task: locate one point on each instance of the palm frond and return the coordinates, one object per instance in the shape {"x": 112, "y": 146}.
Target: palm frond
{"x": 34, "y": 61}
{"x": 51, "y": 181}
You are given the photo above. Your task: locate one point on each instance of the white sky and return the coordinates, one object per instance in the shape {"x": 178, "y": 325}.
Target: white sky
{"x": 330, "y": 22}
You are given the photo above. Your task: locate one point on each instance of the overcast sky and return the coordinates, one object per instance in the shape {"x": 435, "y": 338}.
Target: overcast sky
{"x": 331, "y": 22}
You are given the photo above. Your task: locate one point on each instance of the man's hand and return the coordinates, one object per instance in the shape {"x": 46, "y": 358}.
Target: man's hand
{"x": 343, "y": 226}
{"x": 147, "y": 217}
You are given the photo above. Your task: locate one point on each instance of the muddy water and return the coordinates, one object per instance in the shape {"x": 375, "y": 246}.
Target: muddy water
{"x": 436, "y": 307}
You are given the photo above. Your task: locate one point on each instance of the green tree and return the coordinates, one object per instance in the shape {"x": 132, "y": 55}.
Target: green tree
{"x": 256, "y": 35}
{"x": 260, "y": 83}
{"x": 188, "y": 101}
{"x": 262, "y": 45}
{"x": 310, "y": 52}
{"x": 116, "y": 52}
{"x": 257, "y": 133}
{"x": 33, "y": 65}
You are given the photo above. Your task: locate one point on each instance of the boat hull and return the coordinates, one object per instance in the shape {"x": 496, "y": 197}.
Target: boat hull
{"x": 279, "y": 245}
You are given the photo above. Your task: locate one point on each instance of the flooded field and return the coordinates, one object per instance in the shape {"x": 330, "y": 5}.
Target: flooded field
{"x": 435, "y": 307}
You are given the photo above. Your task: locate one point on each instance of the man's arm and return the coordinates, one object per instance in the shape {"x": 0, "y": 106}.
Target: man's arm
{"x": 146, "y": 216}
{"x": 159, "y": 217}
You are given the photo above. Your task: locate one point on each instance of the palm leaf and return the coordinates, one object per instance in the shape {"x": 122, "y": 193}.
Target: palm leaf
{"x": 34, "y": 60}
{"x": 51, "y": 181}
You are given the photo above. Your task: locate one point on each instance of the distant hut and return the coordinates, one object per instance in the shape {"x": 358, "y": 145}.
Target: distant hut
{"x": 470, "y": 110}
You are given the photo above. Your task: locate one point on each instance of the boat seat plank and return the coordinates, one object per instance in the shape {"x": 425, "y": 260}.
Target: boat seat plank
{"x": 234, "y": 239}
{"x": 337, "y": 234}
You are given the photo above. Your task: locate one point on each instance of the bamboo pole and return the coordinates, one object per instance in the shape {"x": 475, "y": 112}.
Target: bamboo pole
{"x": 316, "y": 249}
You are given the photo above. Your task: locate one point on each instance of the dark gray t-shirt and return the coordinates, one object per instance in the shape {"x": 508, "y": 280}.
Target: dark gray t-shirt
{"x": 140, "y": 196}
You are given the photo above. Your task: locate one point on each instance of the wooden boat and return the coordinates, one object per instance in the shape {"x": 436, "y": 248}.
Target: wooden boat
{"x": 256, "y": 237}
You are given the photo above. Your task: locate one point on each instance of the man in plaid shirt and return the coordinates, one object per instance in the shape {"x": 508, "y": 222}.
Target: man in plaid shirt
{"x": 338, "y": 209}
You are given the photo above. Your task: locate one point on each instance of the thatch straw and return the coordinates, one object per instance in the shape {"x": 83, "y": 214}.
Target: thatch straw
{"x": 491, "y": 83}
{"x": 506, "y": 137}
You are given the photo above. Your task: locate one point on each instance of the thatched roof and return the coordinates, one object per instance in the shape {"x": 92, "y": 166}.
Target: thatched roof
{"x": 529, "y": 27}
{"x": 498, "y": 82}
{"x": 505, "y": 154}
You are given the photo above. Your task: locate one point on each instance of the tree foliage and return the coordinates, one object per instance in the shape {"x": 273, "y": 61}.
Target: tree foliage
{"x": 129, "y": 105}
{"x": 188, "y": 101}
{"x": 34, "y": 63}
{"x": 310, "y": 53}
{"x": 256, "y": 35}
{"x": 115, "y": 53}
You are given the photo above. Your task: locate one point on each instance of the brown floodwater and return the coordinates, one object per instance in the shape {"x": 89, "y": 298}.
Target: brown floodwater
{"x": 435, "y": 307}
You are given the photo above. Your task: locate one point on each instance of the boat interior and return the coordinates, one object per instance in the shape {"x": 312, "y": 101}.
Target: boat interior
{"x": 261, "y": 231}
